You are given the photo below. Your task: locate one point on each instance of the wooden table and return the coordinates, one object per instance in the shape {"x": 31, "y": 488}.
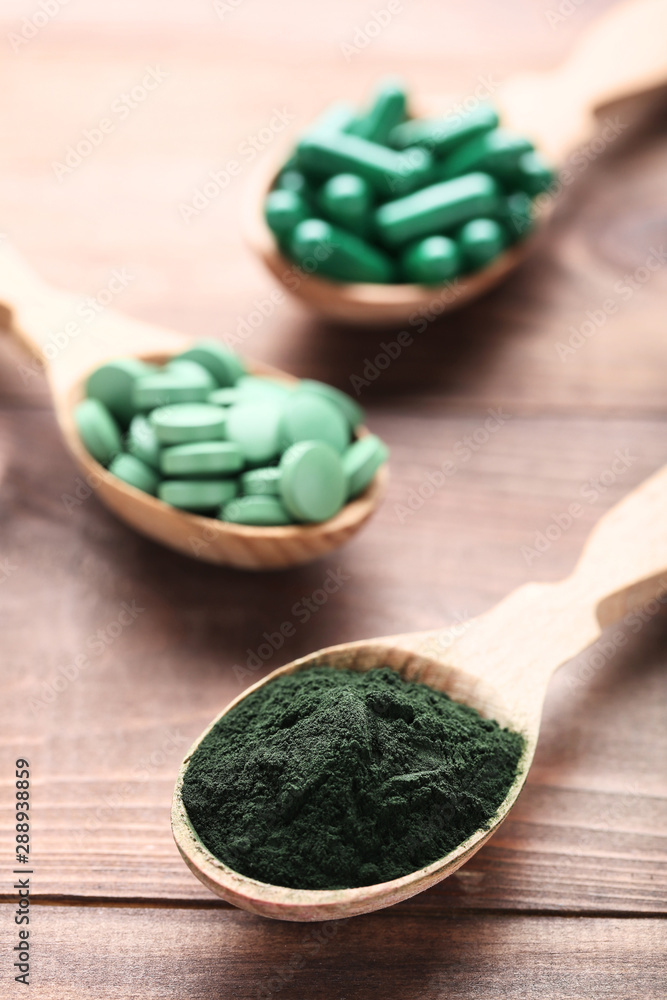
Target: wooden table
{"x": 568, "y": 900}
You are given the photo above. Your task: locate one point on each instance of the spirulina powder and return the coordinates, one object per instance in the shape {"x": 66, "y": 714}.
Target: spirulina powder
{"x": 328, "y": 779}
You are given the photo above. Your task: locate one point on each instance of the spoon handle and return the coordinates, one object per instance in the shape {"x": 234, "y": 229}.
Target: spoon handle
{"x": 622, "y": 55}
{"x": 518, "y": 644}
{"x": 67, "y": 334}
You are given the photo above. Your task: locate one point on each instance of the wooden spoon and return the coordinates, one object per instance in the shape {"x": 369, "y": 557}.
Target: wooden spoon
{"x": 622, "y": 55}
{"x": 54, "y": 328}
{"x": 499, "y": 663}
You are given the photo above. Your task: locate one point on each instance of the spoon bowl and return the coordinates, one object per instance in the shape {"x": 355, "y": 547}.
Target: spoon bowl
{"x": 40, "y": 316}
{"x": 621, "y": 56}
{"x": 499, "y": 664}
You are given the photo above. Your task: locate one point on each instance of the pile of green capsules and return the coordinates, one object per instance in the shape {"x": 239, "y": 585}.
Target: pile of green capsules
{"x": 205, "y": 436}
{"x": 381, "y": 197}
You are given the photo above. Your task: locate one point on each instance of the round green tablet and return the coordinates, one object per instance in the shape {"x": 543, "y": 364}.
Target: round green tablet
{"x": 480, "y": 242}
{"x": 351, "y": 410}
{"x": 255, "y": 427}
{"x": 313, "y": 484}
{"x": 224, "y": 397}
{"x": 186, "y": 382}
{"x": 142, "y": 441}
{"x": 225, "y": 366}
{"x": 432, "y": 261}
{"x": 194, "y": 494}
{"x": 113, "y": 385}
{"x": 265, "y": 482}
{"x": 135, "y": 472}
{"x": 201, "y": 458}
{"x": 258, "y": 510}
{"x": 98, "y": 430}
{"x": 255, "y": 387}
{"x": 361, "y": 461}
{"x": 185, "y": 422}
{"x": 308, "y": 416}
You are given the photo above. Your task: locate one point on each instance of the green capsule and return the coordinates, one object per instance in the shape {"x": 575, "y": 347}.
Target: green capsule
{"x": 292, "y": 180}
{"x": 437, "y": 208}
{"x": 432, "y": 261}
{"x": 347, "y": 200}
{"x": 442, "y": 135}
{"x": 283, "y": 210}
{"x": 533, "y": 174}
{"x": 481, "y": 241}
{"x": 517, "y": 215}
{"x": 387, "y": 171}
{"x": 338, "y": 254}
{"x": 386, "y": 112}
{"x": 495, "y": 152}
{"x": 336, "y": 118}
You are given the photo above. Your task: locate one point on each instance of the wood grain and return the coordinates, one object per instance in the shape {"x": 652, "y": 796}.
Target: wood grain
{"x": 112, "y": 952}
{"x": 588, "y": 833}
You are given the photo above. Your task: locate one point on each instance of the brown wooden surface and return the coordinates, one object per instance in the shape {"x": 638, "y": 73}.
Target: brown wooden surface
{"x": 569, "y": 898}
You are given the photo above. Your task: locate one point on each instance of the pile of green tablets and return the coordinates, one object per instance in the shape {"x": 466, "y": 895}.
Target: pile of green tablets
{"x": 203, "y": 435}
{"x": 381, "y": 197}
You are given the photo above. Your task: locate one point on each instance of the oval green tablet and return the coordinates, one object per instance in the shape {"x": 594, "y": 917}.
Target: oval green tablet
{"x": 187, "y": 382}
{"x": 309, "y": 416}
{"x": 350, "y": 409}
{"x": 255, "y": 427}
{"x": 185, "y": 422}
{"x": 201, "y": 458}
{"x": 113, "y": 385}
{"x": 224, "y": 365}
{"x": 313, "y": 484}
{"x": 98, "y": 430}
{"x": 361, "y": 461}
{"x": 262, "y": 511}
{"x": 264, "y": 482}
{"x": 195, "y": 495}
{"x": 135, "y": 472}
{"x": 142, "y": 441}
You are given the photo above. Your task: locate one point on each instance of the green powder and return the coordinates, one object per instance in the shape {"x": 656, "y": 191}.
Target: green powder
{"x": 328, "y": 779}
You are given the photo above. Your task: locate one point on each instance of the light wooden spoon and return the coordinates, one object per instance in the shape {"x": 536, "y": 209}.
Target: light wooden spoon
{"x": 622, "y": 55}
{"x": 53, "y": 326}
{"x": 499, "y": 663}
